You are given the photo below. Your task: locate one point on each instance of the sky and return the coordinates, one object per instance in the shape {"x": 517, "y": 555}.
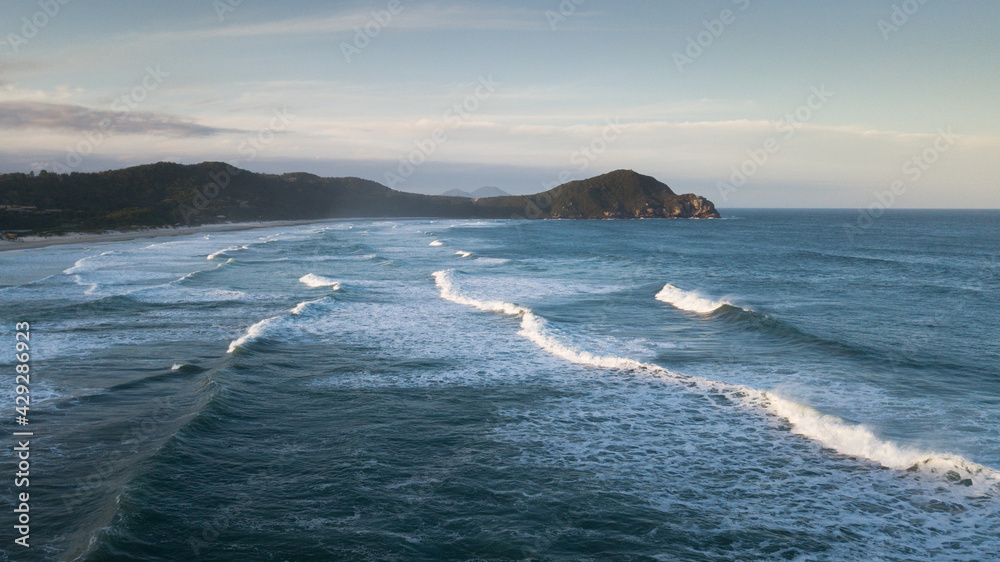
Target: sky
{"x": 841, "y": 104}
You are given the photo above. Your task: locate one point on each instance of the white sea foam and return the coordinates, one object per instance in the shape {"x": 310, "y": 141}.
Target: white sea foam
{"x": 214, "y": 255}
{"x": 492, "y": 261}
{"x": 91, "y": 287}
{"x": 859, "y": 441}
{"x": 436, "y": 243}
{"x": 171, "y": 293}
{"x": 176, "y": 367}
{"x": 533, "y": 327}
{"x": 448, "y": 292}
{"x": 834, "y": 433}
{"x": 83, "y": 265}
{"x": 76, "y": 266}
{"x": 302, "y": 306}
{"x": 262, "y": 328}
{"x": 463, "y": 254}
{"x": 254, "y": 332}
{"x": 690, "y": 301}
{"x": 317, "y": 281}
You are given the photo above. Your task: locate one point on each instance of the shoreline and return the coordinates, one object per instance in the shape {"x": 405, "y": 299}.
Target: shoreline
{"x": 35, "y": 241}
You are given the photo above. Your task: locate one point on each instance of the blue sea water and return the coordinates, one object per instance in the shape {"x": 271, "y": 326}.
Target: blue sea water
{"x": 771, "y": 385}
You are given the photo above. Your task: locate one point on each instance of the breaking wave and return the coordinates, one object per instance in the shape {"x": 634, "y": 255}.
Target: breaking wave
{"x": 859, "y": 441}
{"x": 264, "y": 327}
{"x": 253, "y": 333}
{"x": 690, "y": 301}
{"x": 215, "y": 255}
{"x": 317, "y": 281}
{"x": 82, "y": 265}
{"x": 832, "y": 432}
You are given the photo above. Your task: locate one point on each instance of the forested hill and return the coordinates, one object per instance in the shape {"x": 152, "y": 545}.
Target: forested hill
{"x": 165, "y": 194}
{"x": 620, "y": 194}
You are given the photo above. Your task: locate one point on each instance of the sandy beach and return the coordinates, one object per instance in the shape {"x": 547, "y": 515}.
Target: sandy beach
{"x": 42, "y": 241}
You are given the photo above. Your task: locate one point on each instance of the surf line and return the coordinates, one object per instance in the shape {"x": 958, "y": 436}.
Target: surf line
{"x": 262, "y": 329}
{"x": 845, "y": 438}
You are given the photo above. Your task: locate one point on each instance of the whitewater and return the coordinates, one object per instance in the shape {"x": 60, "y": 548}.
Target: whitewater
{"x": 761, "y": 388}
{"x": 854, "y": 440}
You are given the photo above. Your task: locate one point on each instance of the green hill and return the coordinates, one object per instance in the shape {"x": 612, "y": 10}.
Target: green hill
{"x": 618, "y": 194}
{"x": 173, "y": 194}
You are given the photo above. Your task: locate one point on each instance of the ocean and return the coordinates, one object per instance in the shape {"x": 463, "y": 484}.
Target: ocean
{"x": 773, "y": 385}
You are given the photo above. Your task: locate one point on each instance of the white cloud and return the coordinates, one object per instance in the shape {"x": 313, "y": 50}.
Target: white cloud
{"x": 412, "y": 16}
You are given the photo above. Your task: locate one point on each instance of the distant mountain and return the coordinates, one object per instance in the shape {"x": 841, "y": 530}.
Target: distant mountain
{"x": 173, "y": 194}
{"x": 482, "y": 192}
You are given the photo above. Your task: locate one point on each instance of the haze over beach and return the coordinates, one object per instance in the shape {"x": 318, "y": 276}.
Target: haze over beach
{"x": 469, "y": 280}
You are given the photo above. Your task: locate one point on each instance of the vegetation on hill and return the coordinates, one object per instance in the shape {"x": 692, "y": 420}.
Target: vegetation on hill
{"x": 618, "y": 194}
{"x": 165, "y": 194}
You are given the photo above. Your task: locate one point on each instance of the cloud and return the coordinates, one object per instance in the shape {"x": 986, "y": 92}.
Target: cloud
{"x": 70, "y": 117}
{"x": 428, "y": 17}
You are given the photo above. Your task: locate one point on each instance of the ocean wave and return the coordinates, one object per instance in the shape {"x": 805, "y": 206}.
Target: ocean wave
{"x": 83, "y": 264}
{"x": 749, "y": 319}
{"x": 267, "y": 326}
{"x": 317, "y": 281}
{"x": 436, "y": 243}
{"x": 832, "y": 432}
{"x": 474, "y": 224}
{"x": 254, "y": 332}
{"x": 303, "y": 307}
{"x": 186, "y": 368}
{"x": 175, "y": 294}
{"x": 859, "y": 441}
{"x": 492, "y": 261}
{"x": 188, "y": 276}
{"x": 464, "y": 254}
{"x": 91, "y": 287}
{"x": 690, "y": 301}
{"x": 215, "y": 255}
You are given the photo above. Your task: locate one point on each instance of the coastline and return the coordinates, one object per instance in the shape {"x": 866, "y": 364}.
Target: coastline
{"x": 32, "y": 242}
{"x": 35, "y": 241}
